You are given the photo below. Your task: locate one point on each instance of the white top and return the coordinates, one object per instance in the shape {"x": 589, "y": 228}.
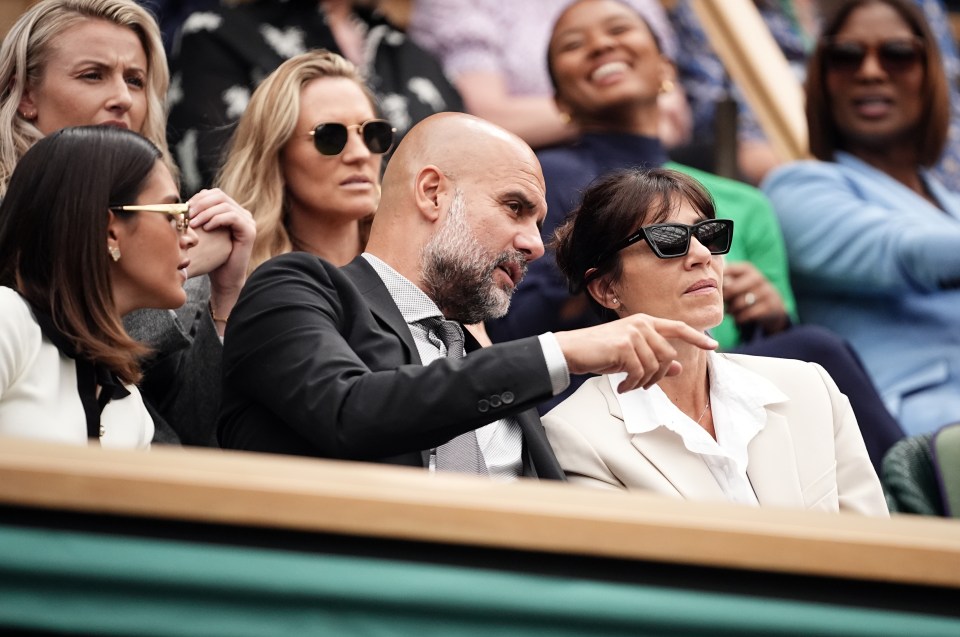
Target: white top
{"x": 39, "y": 398}
{"x": 737, "y": 398}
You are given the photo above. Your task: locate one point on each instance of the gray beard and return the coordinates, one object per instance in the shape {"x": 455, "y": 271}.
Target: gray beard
{"x": 457, "y": 272}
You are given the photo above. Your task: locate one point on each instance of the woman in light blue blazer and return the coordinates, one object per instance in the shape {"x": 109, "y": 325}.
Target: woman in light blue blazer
{"x": 873, "y": 239}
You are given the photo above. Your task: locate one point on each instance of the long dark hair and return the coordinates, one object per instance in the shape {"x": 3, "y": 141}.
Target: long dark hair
{"x": 825, "y": 139}
{"x": 53, "y": 234}
{"x": 613, "y": 207}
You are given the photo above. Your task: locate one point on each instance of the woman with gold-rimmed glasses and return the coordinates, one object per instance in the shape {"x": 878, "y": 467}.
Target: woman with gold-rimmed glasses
{"x": 91, "y": 229}
{"x": 100, "y": 62}
{"x": 306, "y": 159}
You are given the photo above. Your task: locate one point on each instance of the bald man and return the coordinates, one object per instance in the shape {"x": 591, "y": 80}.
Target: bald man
{"x": 369, "y": 361}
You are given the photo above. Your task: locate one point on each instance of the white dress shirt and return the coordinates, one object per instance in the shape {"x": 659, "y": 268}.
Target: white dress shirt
{"x": 501, "y": 442}
{"x": 737, "y": 398}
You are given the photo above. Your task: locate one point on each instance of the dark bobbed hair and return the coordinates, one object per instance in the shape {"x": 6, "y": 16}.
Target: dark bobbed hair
{"x": 613, "y": 207}
{"x": 825, "y": 139}
{"x": 53, "y": 234}
{"x": 550, "y": 70}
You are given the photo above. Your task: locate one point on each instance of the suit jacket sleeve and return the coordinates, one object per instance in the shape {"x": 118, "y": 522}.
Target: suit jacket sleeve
{"x": 305, "y": 352}
{"x": 858, "y": 488}
{"x": 845, "y": 235}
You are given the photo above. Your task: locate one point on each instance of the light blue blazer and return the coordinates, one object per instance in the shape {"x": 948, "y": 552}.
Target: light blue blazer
{"x": 880, "y": 265}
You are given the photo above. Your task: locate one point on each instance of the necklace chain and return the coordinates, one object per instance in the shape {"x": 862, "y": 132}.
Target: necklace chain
{"x": 705, "y": 408}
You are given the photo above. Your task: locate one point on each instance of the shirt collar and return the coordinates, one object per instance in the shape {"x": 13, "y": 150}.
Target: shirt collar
{"x": 413, "y": 303}
{"x": 738, "y": 398}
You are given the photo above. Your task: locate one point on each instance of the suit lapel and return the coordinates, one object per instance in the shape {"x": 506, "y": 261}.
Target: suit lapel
{"x": 773, "y": 468}
{"x": 388, "y": 315}
{"x": 665, "y": 451}
{"x": 382, "y": 305}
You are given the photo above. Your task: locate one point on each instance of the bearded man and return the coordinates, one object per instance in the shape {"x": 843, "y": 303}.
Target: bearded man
{"x": 370, "y": 361}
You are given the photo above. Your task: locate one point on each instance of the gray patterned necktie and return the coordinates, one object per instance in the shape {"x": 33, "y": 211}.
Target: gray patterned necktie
{"x": 462, "y": 454}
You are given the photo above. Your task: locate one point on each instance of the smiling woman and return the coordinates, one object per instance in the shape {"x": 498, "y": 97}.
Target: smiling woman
{"x": 80, "y": 247}
{"x": 745, "y": 429}
{"x": 872, "y": 235}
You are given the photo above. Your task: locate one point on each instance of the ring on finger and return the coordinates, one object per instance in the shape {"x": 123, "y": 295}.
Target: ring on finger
{"x": 749, "y": 298}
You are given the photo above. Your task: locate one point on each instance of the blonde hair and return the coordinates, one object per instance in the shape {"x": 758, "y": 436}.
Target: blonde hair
{"x": 251, "y": 172}
{"x": 26, "y": 49}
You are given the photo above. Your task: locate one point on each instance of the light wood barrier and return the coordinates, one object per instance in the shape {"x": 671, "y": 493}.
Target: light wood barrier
{"x": 406, "y": 504}
{"x": 758, "y": 67}
{"x": 191, "y": 541}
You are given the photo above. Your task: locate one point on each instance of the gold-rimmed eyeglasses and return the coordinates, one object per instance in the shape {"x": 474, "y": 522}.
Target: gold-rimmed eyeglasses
{"x": 179, "y": 213}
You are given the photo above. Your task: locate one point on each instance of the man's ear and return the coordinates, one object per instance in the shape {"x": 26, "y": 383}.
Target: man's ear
{"x": 603, "y": 293}
{"x": 428, "y": 191}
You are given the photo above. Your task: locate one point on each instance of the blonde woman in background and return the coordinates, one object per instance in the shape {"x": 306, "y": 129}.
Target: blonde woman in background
{"x": 222, "y": 55}
{"x": 100, "y": 62}
{"x": 53, "y": 33}
{"x": 306, "y": 159}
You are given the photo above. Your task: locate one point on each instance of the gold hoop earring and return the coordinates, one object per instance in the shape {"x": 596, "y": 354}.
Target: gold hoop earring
{"x": 114, "y": 253}
{"x": 667, "y": 86}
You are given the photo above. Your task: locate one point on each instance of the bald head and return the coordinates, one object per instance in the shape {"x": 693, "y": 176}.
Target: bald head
{"x": 457, "y": 144}
{"x": 441, "y": 155}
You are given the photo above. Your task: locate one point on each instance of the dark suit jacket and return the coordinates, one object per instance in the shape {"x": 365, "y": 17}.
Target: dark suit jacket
{"x": 318, "y": 361}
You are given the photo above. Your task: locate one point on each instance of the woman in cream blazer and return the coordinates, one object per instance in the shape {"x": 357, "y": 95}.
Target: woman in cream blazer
{"x": 753, "y": 430}
{"x": 793, "y": 460}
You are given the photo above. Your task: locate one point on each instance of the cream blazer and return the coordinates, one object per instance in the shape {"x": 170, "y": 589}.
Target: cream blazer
{"x": 809, "y": 455}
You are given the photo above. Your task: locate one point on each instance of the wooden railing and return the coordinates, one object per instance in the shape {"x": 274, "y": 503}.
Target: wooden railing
{"x": 366, "y": 500}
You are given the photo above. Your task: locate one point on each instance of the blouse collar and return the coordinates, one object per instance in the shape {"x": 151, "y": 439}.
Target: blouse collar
{"x": 738, "y": 399}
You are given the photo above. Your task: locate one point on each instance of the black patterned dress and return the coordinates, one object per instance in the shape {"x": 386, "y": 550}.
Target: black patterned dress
{"x": 220, "y": 56}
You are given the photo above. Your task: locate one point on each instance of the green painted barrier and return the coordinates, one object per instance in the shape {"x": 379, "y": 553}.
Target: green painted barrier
{"x": 117, "y": 585}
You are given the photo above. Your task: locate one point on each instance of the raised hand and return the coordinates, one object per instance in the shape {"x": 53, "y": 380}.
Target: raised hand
{"x": 750, "y": 297}
{"x": 637, "y": 344}
{"x": 227, "y": 232}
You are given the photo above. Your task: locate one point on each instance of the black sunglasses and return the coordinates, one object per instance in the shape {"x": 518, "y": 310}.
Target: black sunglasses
{"x": 895, "y": 56}
{"x": 331, "y": 138}
{"x": 670, "y": 240}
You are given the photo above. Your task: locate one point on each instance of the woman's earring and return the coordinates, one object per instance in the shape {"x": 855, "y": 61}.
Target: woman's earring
{"x": 666, "y": 86}
{"x": 616, "y": 301}
{"x": 28, "y": 115}
{"x": 114, "y": 253}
